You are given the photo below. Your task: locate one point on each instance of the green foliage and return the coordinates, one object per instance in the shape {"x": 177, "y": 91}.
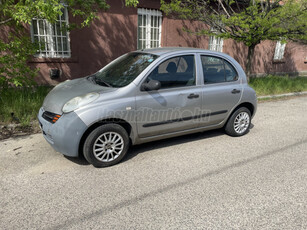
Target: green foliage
{"x": 23, "y": 11}
{"x": 133, "y": 3}
{"x": 184, "y": 11}
{"x": 13, "y": 56}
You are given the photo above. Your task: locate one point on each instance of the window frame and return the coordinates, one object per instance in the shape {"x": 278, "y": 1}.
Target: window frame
{"x": 52, "y": 53}
{"x": 196, "y": 83}
{"x": 148, "y": 13}
{"x": 279, "y": 52}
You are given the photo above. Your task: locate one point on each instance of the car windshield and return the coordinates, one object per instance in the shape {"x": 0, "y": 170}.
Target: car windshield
{"x": 124, "y": 70}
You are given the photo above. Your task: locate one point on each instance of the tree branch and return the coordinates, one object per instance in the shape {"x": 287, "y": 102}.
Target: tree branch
{"x": 6, "y": 21}
{"x": 222, "y": 5}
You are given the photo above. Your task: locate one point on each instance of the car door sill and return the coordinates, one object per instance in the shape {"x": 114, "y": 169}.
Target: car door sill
{"x": 178, "y": 133}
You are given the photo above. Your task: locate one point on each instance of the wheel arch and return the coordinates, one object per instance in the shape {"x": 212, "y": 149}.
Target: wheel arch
{"x": 248, "y": 105}
{"x": 118, "y": 121}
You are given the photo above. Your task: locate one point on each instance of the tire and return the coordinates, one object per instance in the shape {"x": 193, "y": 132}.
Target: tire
{"x": 106, "y": 145}
{"x": 239, "y": 122}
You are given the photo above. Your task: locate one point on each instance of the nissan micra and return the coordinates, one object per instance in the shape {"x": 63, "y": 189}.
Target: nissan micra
{"x": 145, "y": 96}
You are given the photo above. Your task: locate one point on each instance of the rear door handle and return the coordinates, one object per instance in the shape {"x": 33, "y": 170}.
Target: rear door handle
{"x": 234, "y": 91}
{"x": 192, "y": 95}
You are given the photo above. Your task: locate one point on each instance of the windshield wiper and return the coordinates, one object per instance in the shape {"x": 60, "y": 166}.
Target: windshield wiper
{"x": 101, "y": 82}
{"x": 91, "y": 78}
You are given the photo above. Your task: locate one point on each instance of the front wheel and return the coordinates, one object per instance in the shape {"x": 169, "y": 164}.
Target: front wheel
{"x": 106, "y": 145}
{"x": 239, "y": 122}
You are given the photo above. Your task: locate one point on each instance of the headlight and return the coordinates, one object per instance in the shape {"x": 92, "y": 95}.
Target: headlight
{"x": 78, "y": 102}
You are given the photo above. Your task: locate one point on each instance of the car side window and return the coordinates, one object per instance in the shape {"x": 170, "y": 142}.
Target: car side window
{"x": 217, "y": 70}
{"x": 175, "y": 72}
{"x": 230, "y": 72}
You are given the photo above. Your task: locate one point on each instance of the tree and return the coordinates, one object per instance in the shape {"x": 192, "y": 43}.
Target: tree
{"x": 16, "y": 48}
{"x": 247, "y": 21}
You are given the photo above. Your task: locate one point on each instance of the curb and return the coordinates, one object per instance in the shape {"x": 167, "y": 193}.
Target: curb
{"x": 283, "y": 95}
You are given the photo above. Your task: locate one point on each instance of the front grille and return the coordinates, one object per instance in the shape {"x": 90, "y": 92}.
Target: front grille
{"x": 50, "y": 117}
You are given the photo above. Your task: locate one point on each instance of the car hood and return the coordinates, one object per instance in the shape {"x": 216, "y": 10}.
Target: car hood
{"x": 67, "y": 90}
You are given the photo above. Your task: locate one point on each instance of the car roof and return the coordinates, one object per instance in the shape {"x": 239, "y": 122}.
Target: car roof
{"x": 168, "y": 50}
{"x": 165, "y": 51}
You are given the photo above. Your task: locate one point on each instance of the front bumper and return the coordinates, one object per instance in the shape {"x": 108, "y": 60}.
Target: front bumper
{"x": 64, "y": 135}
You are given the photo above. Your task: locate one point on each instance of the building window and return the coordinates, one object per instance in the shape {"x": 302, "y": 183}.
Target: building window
{"x": 216, "y": 44}
{"x": 52, "y": 38}
{"x": 149, "y": 28}
{"x": 279, "y": 50}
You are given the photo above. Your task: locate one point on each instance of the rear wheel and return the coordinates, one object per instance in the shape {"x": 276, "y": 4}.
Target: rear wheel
{"x": 239, "y": 122}
{"x": 106, "y": 145}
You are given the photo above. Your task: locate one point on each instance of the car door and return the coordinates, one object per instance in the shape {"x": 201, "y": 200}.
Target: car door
{"x": 221, "y": 91}
{"x": 176, "y": 105}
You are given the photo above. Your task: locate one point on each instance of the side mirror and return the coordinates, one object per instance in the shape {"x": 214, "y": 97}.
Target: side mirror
{"x": 151, "y": 85}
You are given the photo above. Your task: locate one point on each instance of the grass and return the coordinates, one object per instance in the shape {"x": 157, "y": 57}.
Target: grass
{"x": 21, "y": 105}
{"x": 271, "y": 85}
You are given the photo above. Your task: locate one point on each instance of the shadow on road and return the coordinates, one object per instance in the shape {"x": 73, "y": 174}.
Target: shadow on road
{"x": 138, "y": 149}
{"x": 78, "y": 160}
{"x": 135, "y": 150}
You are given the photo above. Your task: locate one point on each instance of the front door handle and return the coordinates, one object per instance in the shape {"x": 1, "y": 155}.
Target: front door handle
{"x": 234, "y": 91}
{"x": 192, "y": 95}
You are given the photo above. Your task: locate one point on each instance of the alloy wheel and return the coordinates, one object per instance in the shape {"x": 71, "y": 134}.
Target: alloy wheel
{"x": 108, "y": 146}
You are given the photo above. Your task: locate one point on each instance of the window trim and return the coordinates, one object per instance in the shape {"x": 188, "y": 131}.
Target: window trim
{"x": 148, "y": 13}
{"x": 48, "y": 28}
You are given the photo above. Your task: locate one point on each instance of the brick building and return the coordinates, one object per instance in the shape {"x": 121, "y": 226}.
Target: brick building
{"x": 119, "y": 30}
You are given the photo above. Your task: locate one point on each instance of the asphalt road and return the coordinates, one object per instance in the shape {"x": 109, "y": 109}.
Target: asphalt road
{"x": 203, "y": 181}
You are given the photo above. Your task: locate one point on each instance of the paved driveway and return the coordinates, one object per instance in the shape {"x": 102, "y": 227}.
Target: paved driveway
{"x": 202, "y": 181}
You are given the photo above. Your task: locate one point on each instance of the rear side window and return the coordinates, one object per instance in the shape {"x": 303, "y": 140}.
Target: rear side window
{"x": 217, "y": 70}
{"x": 175, "y": 72}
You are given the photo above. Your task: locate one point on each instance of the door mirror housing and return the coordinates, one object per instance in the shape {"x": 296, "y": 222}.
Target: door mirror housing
{"x": 151, "y": 85}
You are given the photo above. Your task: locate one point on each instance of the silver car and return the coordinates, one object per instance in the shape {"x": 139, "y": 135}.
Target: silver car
{"x": 145, "y": 96}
